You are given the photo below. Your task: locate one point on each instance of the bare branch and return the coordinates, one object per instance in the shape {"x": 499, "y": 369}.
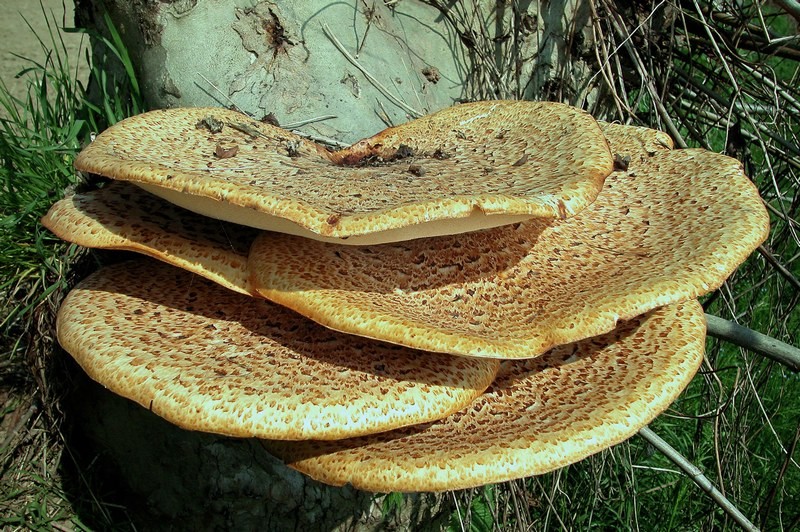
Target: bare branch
{"x": 754, "y": 341}
{"x": 697, "y": 477}
{"x": 377, "y": 84}
{"x": 792, "y": 7}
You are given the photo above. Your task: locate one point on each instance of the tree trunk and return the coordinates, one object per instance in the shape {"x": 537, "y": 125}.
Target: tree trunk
{"x": 407, "y": 57}
{"x": 168, "y": 478}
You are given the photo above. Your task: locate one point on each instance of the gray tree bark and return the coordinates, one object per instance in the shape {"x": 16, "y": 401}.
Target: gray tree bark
{"x": 175, "y": 479}
{"x": 407, "y": 57}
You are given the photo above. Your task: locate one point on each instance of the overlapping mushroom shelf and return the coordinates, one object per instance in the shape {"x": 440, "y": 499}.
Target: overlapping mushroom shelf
{"x": 671, "y": 227}
{"x": 427, "y": 364}
{"x": 539, "y": 415}
{"x": 207, "y": 358}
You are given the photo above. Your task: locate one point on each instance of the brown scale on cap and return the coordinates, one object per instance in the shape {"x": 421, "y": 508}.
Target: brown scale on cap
{"x": 482, "y": 164}
{"x": 123, "y": 216}
{"x": 672, "y": 226}
{"x": 206, "y": 358}
{"x": 539, "y": 415}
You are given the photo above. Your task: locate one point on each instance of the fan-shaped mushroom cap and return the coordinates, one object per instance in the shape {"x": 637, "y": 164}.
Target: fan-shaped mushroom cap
{"x": 468, "y": 167}
{"x": 671, "y": 227}
{"x": 123, "y": 216}
{"x": 539, "y": 415}
{"x": 206, "y": 358}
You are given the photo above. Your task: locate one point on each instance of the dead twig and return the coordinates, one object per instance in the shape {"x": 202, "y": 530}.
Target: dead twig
{"x": 377, "y": 84}
{"x": 778, "y": 266}
{"x": 697, "y": 477}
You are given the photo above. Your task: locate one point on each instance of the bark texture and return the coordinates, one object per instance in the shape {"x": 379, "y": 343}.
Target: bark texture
{"x": 173, "y": 479}
{"x": 413, "y": 57}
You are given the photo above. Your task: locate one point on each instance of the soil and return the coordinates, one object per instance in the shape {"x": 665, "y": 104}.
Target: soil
{"x": 18, "y": 39}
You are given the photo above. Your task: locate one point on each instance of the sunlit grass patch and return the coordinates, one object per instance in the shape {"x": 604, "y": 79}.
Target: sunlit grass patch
{"x": 41, "y": 132}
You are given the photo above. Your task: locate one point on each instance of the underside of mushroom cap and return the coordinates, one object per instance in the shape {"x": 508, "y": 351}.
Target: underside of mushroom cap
{"x": 125, "y": 217}
{"x": 209, "y": 359}
{"x": 670, "y": 226}
{"x": 468, "y": 167}
{"x": 539, "y": 415}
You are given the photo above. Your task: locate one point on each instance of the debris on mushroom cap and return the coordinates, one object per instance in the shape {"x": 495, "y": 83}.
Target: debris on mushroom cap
{"x": 206, "y": 358}
{"x": 672, "y": 226}
{"x": 467, "y": 158}
{"x": 539, "y": 415}
{"x": 123, "y": 216}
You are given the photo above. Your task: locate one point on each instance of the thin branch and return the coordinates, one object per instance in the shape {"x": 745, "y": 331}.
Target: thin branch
{"x": 737, "y": 91}
{"x": 622, "y": 31}
{"x": 779, "y": 214}
{"x": 225, "y": 96}
{"x": 321, "y": 140}
{"x": 697, "y": 477}
{"x": 774, "y": 490}
{"x": 394, "y": 99}
{"x": 778, "y": 266}
{"x": 754, "y": 341}
{"x": 792, "y": 7}
{"x": 772, "y": 84}
{"x": 301, "y": 123}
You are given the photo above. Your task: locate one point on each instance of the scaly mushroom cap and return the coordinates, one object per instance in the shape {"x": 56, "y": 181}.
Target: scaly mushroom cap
{"x": 671, "y": 227}
{"x": 539, "y": 415}
{"x": 123, "y": 216}
{"x": 206, "y": 358}
{"x": 464, "y": 168}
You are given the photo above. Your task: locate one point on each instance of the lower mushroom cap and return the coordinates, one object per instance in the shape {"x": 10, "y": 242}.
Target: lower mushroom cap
{"x": 206, "y": 358}
{"x": 539, "y": 415}
{"x": 671, "y": 226}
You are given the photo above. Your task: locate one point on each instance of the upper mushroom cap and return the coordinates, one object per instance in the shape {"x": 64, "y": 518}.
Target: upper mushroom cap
{"x": 206, "y": 358}
{"x": 468, "y": 167}
{"x": 123, "y": 216}
{"x": 539, "y": 415}
{"x": 671, "y": 227}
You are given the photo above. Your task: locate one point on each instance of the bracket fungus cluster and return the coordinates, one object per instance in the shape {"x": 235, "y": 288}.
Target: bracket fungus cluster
{"x": 478, "y": 295}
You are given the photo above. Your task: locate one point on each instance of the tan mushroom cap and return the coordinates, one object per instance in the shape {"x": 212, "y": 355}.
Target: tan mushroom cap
{"x": 539, "y": 415}
{"x": 464, "y": 168}
{"x": 671, "y": 227}
{"x": 209, "y": 359}
{"x": 123, "y": 216}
